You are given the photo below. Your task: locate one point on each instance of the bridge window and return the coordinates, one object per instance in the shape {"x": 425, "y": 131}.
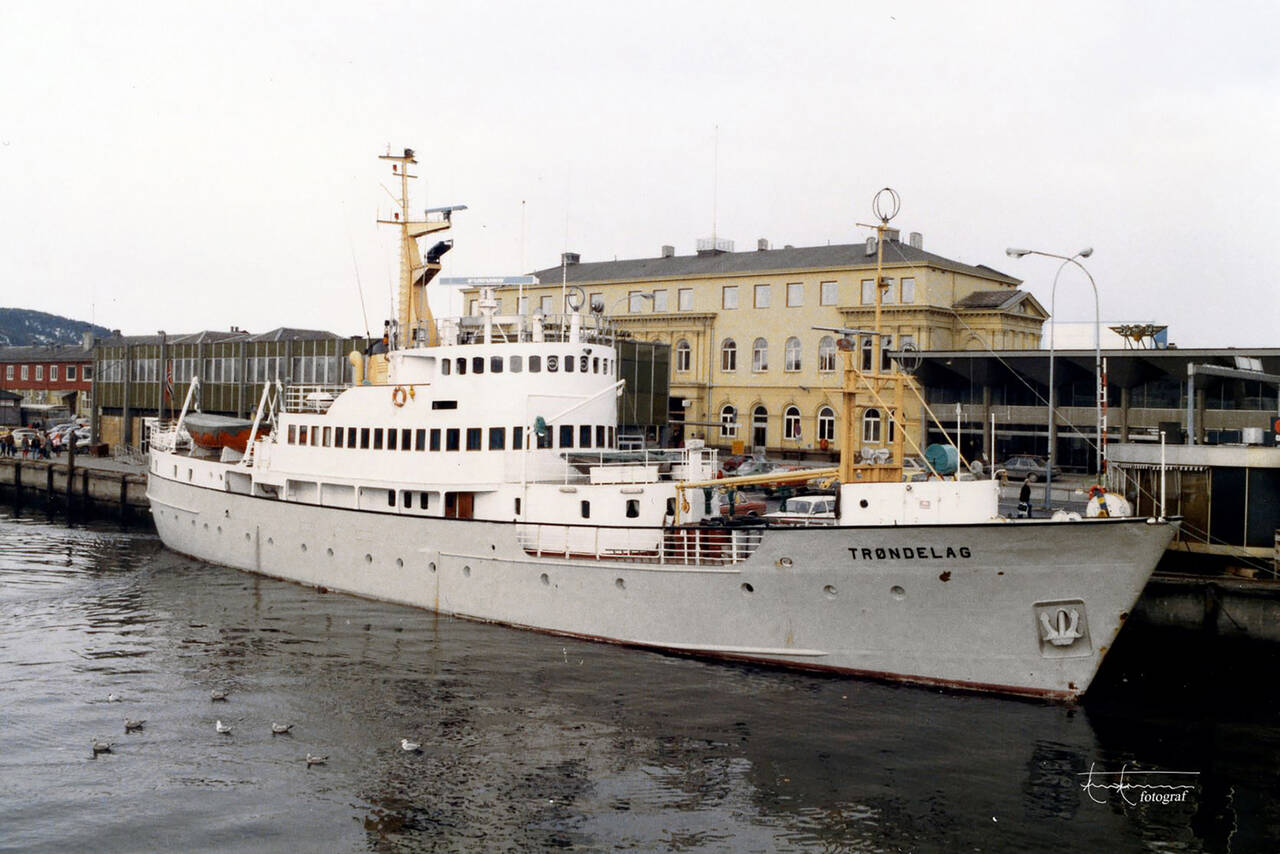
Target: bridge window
{"x": 497, "y": 438}
{"x": 293, "y": 434}
{"x": 452, "y": 439}
{"x": 474, "y": 437}
{"x": 517, "y": 440}
{"x": 566, "y": 435}
{"x": 338, "y": 434}
{"x": 599, "y": 435}
{"x": 351, "y": 437}
{"x": 377, "y": 438}
{"x": 404, "y": 438}
{"x": 435, "y": 438}
{"x": 364, "y": 438}
{"x": 584, "y": 436}
{"x": 420, "y": 443}
{"x": 391, "y": 438}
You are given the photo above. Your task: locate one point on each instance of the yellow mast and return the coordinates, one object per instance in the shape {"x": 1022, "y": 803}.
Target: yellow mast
{"x": 415, "y": 272}
{"x": 873, "y": 388}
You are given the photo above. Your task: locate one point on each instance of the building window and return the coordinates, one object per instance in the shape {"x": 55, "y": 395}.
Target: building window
{"x": 871, "y": 426}
{"x": 795, "y": 294}
{"x": 8, "y": 372}
{"x": 762, "y": 297}
{"x": 728, "y": 356}
{"x": 53, "y": 372}
{"x": 908, "y": 290}
{"x": 826, "y": 424}
{"x": 760, "y": 355}
{"x": 595, "y": 300}
{"x": 471, "y": 308}
{"x": 868, "y": 292}
{"x": 729, "y": 297}
{"x": 685, "y": 297}
{"x": 88, "y": 373}
{"x": 886, "y": 344}
{"x": 683, "y": 355}
{"x": 635, "y": 302}
{"x": 888, "y": 290}
{"x": 827, "y": 293}
{"x": 791, "y": 423}
{"x": 522, "y": 305}
{"x": 827, "y": 354}
{"x": 866, "y": 354}
{"x": 728, "y": 422}
{"x": 760, "y": 426}
{"x": 791, "y": 354}
{"x": 39, "y": 373}
{"x": 659, "y": 300}
{"x": 544, "y": 305}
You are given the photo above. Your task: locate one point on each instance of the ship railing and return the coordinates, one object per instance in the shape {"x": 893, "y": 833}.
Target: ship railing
{"x": 682, "y": 546}
{"x": 510, "y": 328}
{"x": 162, "y": 436}
{"x": 311, "y": 398}
{"x": 642, "y": 465}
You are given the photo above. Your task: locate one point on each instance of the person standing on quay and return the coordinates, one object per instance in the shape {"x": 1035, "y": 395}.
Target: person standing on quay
{"x": 1024, "y": 497}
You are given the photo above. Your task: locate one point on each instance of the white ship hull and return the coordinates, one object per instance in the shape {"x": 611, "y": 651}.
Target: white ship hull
{"x": 1012, "y": 608}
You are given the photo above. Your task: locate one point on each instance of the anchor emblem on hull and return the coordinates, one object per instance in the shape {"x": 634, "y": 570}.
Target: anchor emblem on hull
{"x": 1065, "y": 629}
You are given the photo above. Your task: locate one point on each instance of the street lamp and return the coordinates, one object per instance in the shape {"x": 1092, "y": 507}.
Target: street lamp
{"x": 1097, "y": 350}
{"x": 645, "y": 295}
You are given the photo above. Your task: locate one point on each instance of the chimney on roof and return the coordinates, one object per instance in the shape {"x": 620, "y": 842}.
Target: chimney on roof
{"x": 762, "y": 245}
{"x": 893, "y": 235}
{"x": 668, "y": 251}
{"x": 568, "y": 259}
{"x": 916, "y": 239}
{"x": 871, "y": 246}
{"x": 86, "y": 340}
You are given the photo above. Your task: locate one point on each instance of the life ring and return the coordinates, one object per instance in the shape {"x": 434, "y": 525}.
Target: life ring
{"x": 399, "y": 395}
{"x": 824, "y": 444}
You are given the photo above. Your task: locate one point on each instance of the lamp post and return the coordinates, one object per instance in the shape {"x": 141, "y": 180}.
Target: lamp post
{"x": 1097, "y": 350}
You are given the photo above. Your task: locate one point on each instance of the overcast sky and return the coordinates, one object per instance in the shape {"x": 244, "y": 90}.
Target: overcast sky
{"x": 179, "y": 167}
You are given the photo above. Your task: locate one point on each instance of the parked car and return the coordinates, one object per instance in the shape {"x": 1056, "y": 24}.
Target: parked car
{"x": 914, "y": 469}
{"x": 742, "y": 506}
{"x": 805, "y": 510}
{"x": 771, "y": 488}
{"x": 1024, "y": 464}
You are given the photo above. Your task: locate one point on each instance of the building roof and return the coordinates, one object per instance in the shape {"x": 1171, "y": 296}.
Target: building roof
{"x": 46, "y": 353}
{"x": 845, "y": 255}
{"x": 216, "y": 336}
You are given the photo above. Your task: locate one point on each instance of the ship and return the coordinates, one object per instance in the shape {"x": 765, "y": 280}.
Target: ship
{"x": 471, "y": 467}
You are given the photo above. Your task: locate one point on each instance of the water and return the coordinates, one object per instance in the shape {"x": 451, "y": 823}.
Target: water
{"x": 532, "y": 742}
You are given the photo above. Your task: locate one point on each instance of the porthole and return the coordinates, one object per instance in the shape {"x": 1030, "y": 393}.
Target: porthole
{"x": 785, "y": 562}
{"x": 271, "y": 541}
{"x": 219, "y": 529}
{"x": 431, "y": 567}
{"x": 747, "y": 588}
{"x": 830, "y": 590}
{"x": 304, "y": 547}
{"x": 863, "y": 504}
{"x": 620, "y": 584}
{"x": 897, "y": 592}
{"x": 206, "y": 526}
{"x": 399, "y": 561}
{"x": 193, "y": 523}
{"x": 368, "y": 558}
{"x": 329, "y": 552}
{"x": 466, "y": 571}
{"x": 545, "y": 579}
{"x": 247, "y": 536}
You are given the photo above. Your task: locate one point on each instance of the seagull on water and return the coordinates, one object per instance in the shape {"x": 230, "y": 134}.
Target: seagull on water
{"x": 280, "y": 729}
{"x": 222, "y": 728}
{"x": 316, "y": 760}
{"x": 113, "y": 698}
{"x": 99, "y": 746}
{"x": 217, "y": 694}
{"x": 130, "y": 724}
{"x": 409, "y": 746}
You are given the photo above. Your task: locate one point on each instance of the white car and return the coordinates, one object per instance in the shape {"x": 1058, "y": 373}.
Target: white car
{"x": 805, "y": 510}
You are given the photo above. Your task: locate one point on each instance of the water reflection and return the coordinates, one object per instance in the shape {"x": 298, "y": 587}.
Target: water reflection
{"x": 534, "y": 742}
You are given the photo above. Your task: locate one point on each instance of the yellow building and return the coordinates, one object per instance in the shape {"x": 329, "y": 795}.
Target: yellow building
{"x": 747, "y": 362}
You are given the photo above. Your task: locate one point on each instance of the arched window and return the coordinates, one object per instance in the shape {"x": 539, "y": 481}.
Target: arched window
{"x": 759, "y": 426}
{"x": 866, "y": 353}
{"x": 728, "y": 422}
{"x": 760, "y": 355}
{"x": 728, "y": 356}
{"x": 826, "y": 424}
{"x": 683, "y": 353}
{"x": 827, "y": 353}
{"x": 791, "y": 355}
{"x": 871, "y": 426}
{"x": 791, "y": 423}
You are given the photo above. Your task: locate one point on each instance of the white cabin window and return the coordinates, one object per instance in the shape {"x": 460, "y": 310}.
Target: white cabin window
{"x": 495, "y": 364}
{"x": 535, "y": 364}
{"x": 477, "y": 364}
{"x": 586, "y": 509}
{"x": 445, "y": 367}
{"x": 633, "y": 508}
{"x": 517, "y": 364}
{"x": 497, "y": 438}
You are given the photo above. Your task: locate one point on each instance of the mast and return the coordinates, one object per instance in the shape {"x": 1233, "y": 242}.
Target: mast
{"x": 416, "y": 272}
{"x": 875, "y": 388}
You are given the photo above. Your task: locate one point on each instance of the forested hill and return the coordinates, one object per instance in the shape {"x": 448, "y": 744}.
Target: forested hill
{"x": 22, "y": 327}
